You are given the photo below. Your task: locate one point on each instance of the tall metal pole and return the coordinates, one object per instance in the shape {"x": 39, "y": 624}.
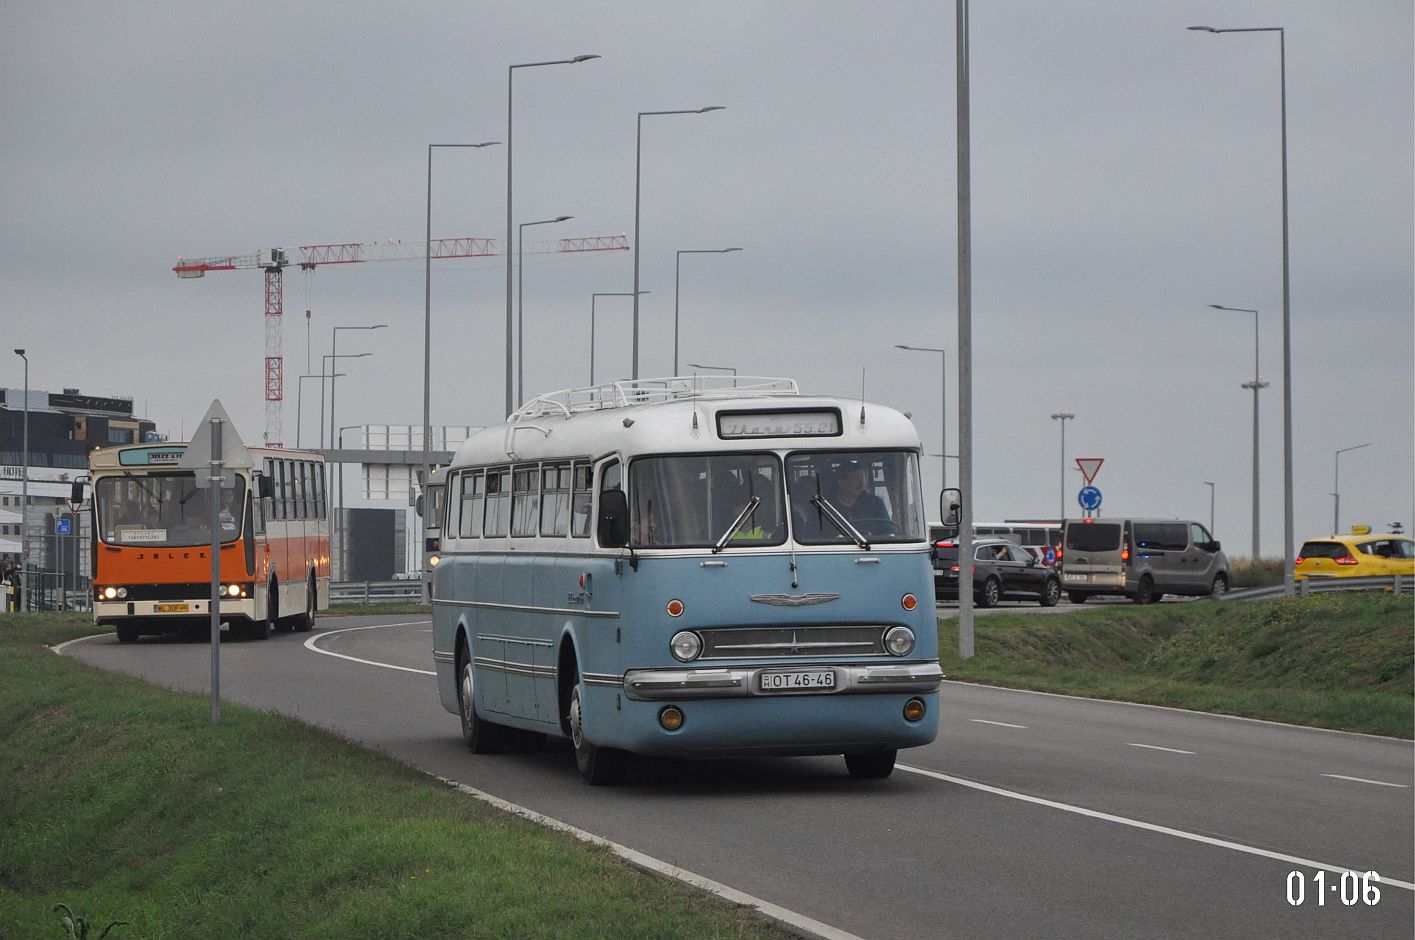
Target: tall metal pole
{"x": 520, "y": 304}
{"x": 1336, "y": 488}
{"x": 24, "y": 499}
{"x": 213, "y": 498}
{"x": 965, "y": 337}
{"x": 1210, "y": 485}
{"x": 638, "y": 154}
{"x": 1063, "y": 417}
{"x": 1256, "y": 384}
{"x": 1288, "y": 547}
{"x": 510, "y": 74}
{"x": 942, "y": 408}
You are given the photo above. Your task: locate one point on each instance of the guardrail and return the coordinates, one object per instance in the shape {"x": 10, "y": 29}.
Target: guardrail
{"x": 1396, "y": 583}
{"x": 374, "y": 592}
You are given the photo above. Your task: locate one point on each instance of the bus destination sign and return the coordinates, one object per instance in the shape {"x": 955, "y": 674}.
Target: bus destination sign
{"x": 737, "y": 425}
{"x": 151, "y": 456}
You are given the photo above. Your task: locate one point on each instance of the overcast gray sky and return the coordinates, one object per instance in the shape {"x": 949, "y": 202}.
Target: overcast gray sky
{"x": 1125, "y": 175}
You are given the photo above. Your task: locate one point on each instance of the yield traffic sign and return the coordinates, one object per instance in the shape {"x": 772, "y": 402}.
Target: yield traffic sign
{"x": 1090, "y": 466}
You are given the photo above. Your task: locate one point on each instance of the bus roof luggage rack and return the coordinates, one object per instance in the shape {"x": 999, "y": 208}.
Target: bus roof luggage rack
{"x": 623, "y": 394}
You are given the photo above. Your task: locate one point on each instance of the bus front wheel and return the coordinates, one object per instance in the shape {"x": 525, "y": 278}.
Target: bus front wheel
{"x": 875, "y": 765}
{"x": 127, "y": 632}
{"x": 599, "y": 766}
{"x": 482, "y": 737}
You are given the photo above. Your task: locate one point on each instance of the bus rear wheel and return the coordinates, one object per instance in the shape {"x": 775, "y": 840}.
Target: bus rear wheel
{"x": 598, "y": 766}
{"x": 876, "y": 765}
{"x": 305, "y": 621}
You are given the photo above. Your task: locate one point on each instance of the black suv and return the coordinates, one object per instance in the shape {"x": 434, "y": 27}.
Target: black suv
{"x": 1003, "y": 570}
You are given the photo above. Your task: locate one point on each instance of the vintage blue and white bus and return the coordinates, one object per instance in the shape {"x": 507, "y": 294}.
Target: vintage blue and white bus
{"x": 690, "y": 567}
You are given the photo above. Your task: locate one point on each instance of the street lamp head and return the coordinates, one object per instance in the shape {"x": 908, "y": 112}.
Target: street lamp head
{"x": 726, "y": 250}
{"x": 1063, "y": 415}
{"x": 564, "y": 218}
{"x": 712, "y": 107}
{"x": 582, "y": 58}
{"x": 21, "y": 354}
{"x": 1205, "y": 29}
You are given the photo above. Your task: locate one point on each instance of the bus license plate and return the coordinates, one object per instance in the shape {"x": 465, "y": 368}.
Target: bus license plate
{"x": 797, "y": 681}
{"x": 172, "y": 608}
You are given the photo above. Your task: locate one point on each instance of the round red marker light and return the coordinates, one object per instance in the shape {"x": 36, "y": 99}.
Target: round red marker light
{"x": 909, "y": 601}
{"x": 675, "y": 608}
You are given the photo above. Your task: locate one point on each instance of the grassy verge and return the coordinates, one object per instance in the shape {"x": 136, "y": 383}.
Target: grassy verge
{"x": 119, "y": 800}
{"x": 1327, "y": 660}
{"x": 385, "y": 607}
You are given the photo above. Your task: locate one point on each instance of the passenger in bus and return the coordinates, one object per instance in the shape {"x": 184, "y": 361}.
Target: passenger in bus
{"x": 805, "y": 517}
{"x": 853, "y": 498}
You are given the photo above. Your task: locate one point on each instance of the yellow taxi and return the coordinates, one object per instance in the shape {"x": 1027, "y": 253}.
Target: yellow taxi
{"x": 1362, "y": 554}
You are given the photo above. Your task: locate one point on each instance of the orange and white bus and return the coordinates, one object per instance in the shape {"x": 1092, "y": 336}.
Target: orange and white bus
{"x": 152, "y": 542}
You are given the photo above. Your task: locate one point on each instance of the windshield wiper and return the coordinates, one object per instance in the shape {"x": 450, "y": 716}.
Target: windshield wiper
{"x": 142, "y": 486}
{"x": 741, "y": 517}
{"x": 838, "y": 519}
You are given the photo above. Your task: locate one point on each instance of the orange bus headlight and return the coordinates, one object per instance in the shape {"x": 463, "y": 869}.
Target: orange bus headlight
{"x": 114, "y": 593}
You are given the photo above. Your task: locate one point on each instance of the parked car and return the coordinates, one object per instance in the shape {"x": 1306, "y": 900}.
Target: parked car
{"x": 1355, "y": 556}
{"x": 1143, "y": 559}
{"x": 1002, "y": 570}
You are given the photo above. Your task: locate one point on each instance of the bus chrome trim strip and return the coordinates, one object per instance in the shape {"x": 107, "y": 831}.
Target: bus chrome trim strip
{"x": 519, "y": 640}
{"x": 440, "y": 657}
{"x": 679, "y": 684}
{"x": 794, "y": 600}
{"x": 602, "y": 678}
{"x": 525, "y": 608}
{"x": 515, "y": 668}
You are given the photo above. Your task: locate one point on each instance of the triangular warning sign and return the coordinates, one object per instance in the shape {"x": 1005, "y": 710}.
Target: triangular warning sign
{"x": 1090, "y": 466}
{"x": 233, "y": 452}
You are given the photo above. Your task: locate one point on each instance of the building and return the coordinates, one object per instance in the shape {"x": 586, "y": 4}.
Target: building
{"x": 63, "y": 428}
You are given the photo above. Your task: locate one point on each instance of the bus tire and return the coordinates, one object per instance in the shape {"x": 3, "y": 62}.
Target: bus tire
{"x": 127, "y": 632}
{"x": 481, "y": 737}
{"x": 262, "y": 628}
{"x": 876, "y": 765}
{"x": 598, "y": 766}
{"x": 305, "y": 621}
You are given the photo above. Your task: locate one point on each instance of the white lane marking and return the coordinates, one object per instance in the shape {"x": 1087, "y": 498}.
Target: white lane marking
{"x": 1171, "y": 708}
{"x": 984, "y": 721}
{"x": 1379, "y": 783}
{"x": 310, "y": 645}
{"x": 775, "y": 912}
{"x": 1156, "y": 747}
{"x": 60, "y": 647}
{"x": 1152, "y": 827}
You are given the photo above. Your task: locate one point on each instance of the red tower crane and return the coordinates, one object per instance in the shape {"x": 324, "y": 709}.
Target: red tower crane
{"x": 273, "y": 262}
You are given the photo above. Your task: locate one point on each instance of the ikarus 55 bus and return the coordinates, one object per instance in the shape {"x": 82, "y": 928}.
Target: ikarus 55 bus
{"x": 697, "y": 567}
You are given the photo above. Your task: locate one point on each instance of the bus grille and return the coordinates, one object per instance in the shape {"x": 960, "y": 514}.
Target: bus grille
{"x": 762, "y": 642}
{"x": 166, "y": 592}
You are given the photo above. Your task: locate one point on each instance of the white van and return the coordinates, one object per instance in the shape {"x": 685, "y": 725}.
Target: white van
{"x": 1142, "y": 559}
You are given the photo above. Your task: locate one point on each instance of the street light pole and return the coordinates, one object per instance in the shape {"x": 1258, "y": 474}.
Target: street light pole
{"x": 324, "y": 366}
{"x": 520, "y": 303}
{"x": 1063, "y": 417}
{"x": 427, "y": 310}
{"x": 1256, "y": 384}
{"x": 1210, "y": 485}
{"x": 593, "y": 298}
{"x": 339, "y": 519}
{"x": 511, "y": 74}
{"x": 1288, "y": 548}
{"x": 638, "y": 154}
{"x": 942, "y": 406}
{"x": 24, "y": 499}
{"x": 334, "y": 353}
{"x": 1336, "y": 487}
{"x": 677, "y": 263}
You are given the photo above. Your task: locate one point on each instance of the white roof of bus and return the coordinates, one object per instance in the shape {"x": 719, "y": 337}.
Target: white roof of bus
{"x": 657, "y": 416}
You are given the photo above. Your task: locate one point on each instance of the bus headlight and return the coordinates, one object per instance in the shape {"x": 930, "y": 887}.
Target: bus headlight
{"x": 232, "y": 590}
{"x": 432, "y": 560}
{"x": 686, "y": 646}
{"x": 899, "y": 641}
{"x": 113, "y": 593}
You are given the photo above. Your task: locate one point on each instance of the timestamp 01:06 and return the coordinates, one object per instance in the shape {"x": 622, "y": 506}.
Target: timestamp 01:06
{"x": 1351, "y": 887}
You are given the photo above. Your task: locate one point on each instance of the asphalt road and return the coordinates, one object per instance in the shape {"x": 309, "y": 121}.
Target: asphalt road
{"x": 1030, "y": 815}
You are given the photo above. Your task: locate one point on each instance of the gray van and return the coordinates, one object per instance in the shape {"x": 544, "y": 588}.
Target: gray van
{"x": 1143, "y": 559}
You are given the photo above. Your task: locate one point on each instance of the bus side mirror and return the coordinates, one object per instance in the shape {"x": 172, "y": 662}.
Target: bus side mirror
{"x": 266, "y": 487}
{"x": 950, "y": 507}
{"x": 613, "y": 529}
{"x": 76, "y": 492}
{"x": 419, "y": 505}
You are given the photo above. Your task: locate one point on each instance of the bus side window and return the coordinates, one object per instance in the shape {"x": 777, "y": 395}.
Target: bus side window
{"x": 525, "y": 500}
{"x": 498, "y": 485}
{"x": 555, "y": 500}
{"x": 470, "y": 501}
{"x": 257, "y": 507}
{"x": 580, "y": 501}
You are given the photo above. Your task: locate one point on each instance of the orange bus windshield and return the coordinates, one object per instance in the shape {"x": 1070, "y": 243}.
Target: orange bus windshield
{"x": 164, "y": 509}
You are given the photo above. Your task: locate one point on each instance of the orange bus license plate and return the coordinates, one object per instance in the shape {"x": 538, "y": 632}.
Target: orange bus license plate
{"x": 172, "y": 608}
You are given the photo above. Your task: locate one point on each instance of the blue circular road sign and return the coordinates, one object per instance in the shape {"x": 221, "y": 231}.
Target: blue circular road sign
{"x": 1089, "y": 498}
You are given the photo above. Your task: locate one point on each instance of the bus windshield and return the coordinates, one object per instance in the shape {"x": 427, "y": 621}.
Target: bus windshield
{"x": 163, "y": 509}
{"x": 694, "y": 501}
{"x": 877, "y": 493}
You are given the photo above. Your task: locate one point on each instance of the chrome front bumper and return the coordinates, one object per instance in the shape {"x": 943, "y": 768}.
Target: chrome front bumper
{"x": 647, "y": 685}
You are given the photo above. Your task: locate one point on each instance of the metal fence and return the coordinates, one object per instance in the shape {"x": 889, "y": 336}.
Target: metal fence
{"x": 375, "y": 592}
{"x": 1388, "y": 583}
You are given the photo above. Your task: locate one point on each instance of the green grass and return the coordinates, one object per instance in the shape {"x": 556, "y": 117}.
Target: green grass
{"x": 1326, "y": 660}
{"x": 118, "y": 799}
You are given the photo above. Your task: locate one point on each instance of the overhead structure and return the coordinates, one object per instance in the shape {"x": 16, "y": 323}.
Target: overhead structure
{"x": 273, "y": 261}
